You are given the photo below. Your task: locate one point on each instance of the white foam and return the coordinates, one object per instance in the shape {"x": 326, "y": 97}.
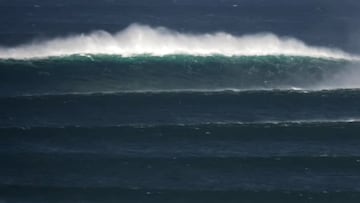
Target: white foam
{"x": 160, "y": 41}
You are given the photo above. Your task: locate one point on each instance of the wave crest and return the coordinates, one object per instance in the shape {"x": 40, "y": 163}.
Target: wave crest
{"x": 159, "y": 41}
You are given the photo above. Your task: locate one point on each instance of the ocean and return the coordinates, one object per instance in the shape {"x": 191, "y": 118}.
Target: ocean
{"x": 179, "y": 101}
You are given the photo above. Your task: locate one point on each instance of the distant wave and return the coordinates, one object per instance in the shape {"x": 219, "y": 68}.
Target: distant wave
{"x": 159, "y": 41}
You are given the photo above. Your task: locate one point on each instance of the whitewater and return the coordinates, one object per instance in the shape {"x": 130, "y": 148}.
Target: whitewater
{"x": 139, "y": 39}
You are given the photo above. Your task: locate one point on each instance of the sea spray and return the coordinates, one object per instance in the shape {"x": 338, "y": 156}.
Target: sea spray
{"x": 159, "y": 41}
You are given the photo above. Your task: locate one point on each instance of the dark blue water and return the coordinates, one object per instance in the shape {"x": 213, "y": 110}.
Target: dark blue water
{"x": 180, "y": 113}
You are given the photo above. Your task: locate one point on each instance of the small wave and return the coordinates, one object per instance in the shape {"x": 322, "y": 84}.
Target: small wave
{"x": 159, "y": 41}
{"x": 285, "y": 90}
{"x": 186, "y": 108}
{"x": 204, "y": 125}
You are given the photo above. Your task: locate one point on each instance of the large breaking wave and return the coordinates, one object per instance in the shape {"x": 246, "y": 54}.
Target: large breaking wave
{"x": 144, "y": 58}
{"x": 159, "y": 41}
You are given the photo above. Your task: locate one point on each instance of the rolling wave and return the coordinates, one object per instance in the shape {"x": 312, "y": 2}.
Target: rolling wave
{"x": 159, "y": 41}
{"x": 188, "y": 108}
{"x": 109, "y": 73}
{"x": 302, "y": 139}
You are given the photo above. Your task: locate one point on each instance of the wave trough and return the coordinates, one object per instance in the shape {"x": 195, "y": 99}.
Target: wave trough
{"x": 159, "y": 41}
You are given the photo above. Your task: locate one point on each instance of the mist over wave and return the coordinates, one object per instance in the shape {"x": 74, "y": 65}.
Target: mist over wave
{"x": 346, "y": 78}
{"x": 159, "y": 41}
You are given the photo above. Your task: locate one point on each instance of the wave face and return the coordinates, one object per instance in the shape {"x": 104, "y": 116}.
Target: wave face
{"x": 141, "y": 39}
{"x": 105, "y": 73}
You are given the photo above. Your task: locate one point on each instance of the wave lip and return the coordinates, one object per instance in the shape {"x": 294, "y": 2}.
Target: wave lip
{"x": 159, "y": 41}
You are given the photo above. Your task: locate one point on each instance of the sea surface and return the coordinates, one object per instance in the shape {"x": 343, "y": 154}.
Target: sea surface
{"x": 179, "y": 101}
